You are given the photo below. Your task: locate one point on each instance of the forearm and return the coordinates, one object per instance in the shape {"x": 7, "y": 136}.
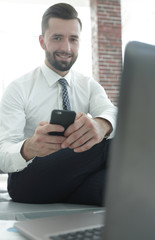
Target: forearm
{"x": 27, "y": 150}
{"x": 105, "y": 126}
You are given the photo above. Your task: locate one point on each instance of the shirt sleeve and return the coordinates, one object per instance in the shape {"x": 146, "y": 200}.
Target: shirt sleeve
{"x": 101, "y": 106}
{"x": 12, "y": 122}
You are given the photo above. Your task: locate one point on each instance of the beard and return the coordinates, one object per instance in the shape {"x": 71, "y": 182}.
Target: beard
{"x": 60, "y": 65}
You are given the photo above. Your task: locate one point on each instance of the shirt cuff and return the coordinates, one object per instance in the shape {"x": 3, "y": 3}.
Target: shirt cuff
{"x": 113, "y": 123}
{"x": 17, "y": 162}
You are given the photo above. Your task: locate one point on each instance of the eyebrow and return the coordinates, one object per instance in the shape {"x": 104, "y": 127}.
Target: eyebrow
{"x": 61, "y": 35}
{"x": 75, "y": 36}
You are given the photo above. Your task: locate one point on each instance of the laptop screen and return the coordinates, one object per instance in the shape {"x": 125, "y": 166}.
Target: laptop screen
{"x": 130, "y": 202}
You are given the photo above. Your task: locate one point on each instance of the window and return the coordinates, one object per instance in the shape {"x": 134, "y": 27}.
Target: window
{"x": 138, "y": 18}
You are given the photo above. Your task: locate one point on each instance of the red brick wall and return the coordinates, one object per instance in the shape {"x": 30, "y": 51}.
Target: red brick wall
{"x": 107, "y": 45}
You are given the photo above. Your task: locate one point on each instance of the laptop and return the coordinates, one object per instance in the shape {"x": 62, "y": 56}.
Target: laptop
{"x": 130, "y": 195}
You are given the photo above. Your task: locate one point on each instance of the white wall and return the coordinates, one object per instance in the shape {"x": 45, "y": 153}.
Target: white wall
{"x": 20, "y": 26}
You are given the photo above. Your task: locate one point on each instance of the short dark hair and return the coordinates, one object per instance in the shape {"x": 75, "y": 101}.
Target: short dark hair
{"x": 59, "y": 10}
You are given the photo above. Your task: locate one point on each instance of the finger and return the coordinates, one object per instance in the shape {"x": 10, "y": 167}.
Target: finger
{"x": 85, "y": 146}
{"x": 51, "y": 139}
{"x": 73, "y": 137}
{"x": 43, "y": 123}
{"x": 78, "y": 115}
{"x": 78, "y": 123}
{"x": 81, "y": 127}
{"x": 46, "y": 128}
{"x": 80, "y": 141}
{"x": 53, "y": 146}
{"x": 56, "y": 128}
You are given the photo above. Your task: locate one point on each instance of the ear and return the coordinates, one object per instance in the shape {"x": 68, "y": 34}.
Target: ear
{"x": 42, "y": 43}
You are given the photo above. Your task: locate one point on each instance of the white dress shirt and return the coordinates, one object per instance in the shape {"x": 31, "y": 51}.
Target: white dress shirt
{"x": 30, "y": 100}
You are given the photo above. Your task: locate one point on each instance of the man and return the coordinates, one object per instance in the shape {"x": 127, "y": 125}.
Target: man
{"x": 44, "y": 168}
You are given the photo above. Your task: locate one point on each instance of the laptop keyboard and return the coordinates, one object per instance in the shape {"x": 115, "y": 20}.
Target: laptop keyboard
{"x": 89, "y": 234}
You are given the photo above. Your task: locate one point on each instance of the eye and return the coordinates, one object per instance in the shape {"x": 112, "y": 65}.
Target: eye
{"x": 74, "y": 39}
{"x": 57, "y": 38}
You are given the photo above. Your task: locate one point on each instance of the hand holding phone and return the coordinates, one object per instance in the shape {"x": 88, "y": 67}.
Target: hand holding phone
{"x": 62, "y": 117}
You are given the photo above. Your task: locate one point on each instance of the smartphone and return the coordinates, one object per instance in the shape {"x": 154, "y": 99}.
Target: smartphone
{"x": 62, "y": 117}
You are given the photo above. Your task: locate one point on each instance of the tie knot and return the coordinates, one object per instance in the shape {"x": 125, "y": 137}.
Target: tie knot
{"x": 63, "y": 81}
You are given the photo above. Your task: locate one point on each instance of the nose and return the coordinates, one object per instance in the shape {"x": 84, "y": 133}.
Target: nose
{"x": 65, "y": 45}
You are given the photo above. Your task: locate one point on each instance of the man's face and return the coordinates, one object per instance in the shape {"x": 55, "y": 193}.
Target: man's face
{"x": 61, "y": 44}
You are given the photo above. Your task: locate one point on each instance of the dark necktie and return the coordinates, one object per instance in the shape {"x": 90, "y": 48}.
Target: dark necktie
{"x": 65, "y": 97}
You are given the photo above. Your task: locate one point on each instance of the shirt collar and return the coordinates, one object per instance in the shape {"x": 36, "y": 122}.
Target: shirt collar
{"x": 52, "y": 77}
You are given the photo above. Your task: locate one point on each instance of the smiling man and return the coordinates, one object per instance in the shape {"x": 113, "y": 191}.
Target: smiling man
{"x": 45, "y": 168}
{"x": 61, "y": 44}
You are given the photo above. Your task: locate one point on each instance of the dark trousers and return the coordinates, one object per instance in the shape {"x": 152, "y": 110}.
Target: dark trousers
{"x": 64, "y": 176}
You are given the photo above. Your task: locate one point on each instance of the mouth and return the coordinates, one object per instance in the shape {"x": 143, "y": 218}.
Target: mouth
{"x": 63, "y": 56}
